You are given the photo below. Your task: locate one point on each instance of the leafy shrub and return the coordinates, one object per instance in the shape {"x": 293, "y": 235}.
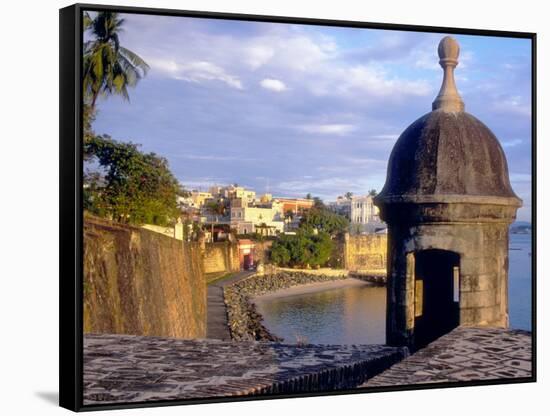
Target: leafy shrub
{"x": 302, "y": 249}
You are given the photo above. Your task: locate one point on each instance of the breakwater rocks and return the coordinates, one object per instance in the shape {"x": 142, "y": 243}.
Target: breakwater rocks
{"x": 245, "y": 323}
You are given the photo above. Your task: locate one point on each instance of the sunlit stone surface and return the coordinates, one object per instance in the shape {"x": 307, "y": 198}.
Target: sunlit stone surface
{"x": 124, "y": 368}
{"x": 465, "y": 354}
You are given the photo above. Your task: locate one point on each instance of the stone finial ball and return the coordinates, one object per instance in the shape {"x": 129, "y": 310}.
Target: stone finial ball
{"x": 448, "y": 49}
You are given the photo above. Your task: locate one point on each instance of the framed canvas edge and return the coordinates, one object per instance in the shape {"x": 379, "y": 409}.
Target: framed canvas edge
{"x": 71, "y": 212}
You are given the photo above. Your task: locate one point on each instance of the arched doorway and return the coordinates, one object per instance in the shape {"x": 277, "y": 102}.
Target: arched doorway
{"x": 437, "y": 296}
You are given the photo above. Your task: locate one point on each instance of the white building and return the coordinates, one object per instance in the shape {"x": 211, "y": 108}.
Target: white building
{"x": 265, "y": 219}
{"x": 364, "y": 215}
{"x": 234, "y": 192}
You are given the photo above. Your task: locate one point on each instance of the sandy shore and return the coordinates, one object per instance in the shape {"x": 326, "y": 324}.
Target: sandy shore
{"x": 311, "y": 288}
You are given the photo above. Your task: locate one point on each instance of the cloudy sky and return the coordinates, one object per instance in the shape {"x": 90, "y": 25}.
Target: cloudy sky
{"x": 294, "y": 109}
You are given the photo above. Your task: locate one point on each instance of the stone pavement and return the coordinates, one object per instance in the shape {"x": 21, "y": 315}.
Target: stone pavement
{"x": 126, "y": 368}
{"x": 216, "y": 321}
{"x": 465, "y": 354}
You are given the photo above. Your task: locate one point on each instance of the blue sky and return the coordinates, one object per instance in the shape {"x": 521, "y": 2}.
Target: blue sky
{"x": 294, "y": 109}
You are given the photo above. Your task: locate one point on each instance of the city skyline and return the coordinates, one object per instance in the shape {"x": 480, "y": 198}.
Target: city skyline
{"x": 295, "y": 109}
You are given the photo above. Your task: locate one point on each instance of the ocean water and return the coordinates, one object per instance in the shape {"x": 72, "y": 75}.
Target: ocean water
{"x": 357, "y": 314}
{"x": 520, "y": 278}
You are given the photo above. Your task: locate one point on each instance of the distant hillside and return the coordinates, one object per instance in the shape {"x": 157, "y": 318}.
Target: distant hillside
{"x": 520, "y": 227}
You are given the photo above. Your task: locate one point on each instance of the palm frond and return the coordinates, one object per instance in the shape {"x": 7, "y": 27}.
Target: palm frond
{"x": 86, "y": 21}
{"x": 108, "y": 67}
{"x": 134, "y": 59}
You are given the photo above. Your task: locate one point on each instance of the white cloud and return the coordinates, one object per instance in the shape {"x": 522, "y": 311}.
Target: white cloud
{"x": 203, "y": 70}
{"x": 377, "y": 82}
{"x": 385, "y": 136}
{"x": 337, "y": 129}
{"x": 196, "y": 71}
{"x": 329, "y": 188}
{"x": 512, "y": 105}
{"x": 163, "y": 65}
{"x": 258, "y": 55}
{"x": 512, "y": 143}
{"x": 273, "y": 85}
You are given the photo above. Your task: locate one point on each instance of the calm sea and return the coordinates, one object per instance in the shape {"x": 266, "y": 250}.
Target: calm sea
{"x": 356, "y": 315}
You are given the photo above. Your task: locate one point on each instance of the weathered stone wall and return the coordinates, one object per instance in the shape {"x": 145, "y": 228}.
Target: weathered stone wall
{"x": 483, "y": 251}
{"x": 221, "y": 258}
{"x": 366, "y": 253}
{"x": 142, "y": 283}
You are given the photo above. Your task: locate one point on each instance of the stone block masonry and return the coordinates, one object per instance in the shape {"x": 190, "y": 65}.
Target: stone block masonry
{"x": 142, "y": 283}
{"x": 121, "y": 369}
{"x": 465, "y": 354}
{"x": 221, "y": 258}
{"x": 366, "y": 254}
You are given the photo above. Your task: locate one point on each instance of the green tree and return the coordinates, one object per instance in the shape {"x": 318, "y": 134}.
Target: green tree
{"x": 129, "y": 186}
{"x": 322, "y": 219}
{"x": 348, "y": 195}
{"x": 302, "y": 249}
{"x": 318, "y": 202}
{"x": 373, "y": 192}
{"x": 108, "y": 67}
{"x": 280, "y": 253}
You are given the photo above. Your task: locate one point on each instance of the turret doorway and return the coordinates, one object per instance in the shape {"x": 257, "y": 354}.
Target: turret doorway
{"x": 437, "y": 295}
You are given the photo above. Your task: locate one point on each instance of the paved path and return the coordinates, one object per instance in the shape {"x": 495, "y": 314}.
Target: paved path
{"x": 216, "y": 320}
{"x": 465, "y": 354}
{"x": 126, "y": 368}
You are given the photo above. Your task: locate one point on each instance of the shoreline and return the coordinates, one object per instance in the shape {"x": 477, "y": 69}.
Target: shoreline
{"x": 311, "y": 288}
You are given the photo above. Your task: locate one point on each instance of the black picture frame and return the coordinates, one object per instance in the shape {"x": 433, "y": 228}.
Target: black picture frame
{"x": 71, "y": 210}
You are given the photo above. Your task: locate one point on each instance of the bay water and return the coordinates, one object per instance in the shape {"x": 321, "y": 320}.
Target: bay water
{"x": 357, "y": 314}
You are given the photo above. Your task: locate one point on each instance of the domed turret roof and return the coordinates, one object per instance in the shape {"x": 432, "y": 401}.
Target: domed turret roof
{"x": 447, "y": 153}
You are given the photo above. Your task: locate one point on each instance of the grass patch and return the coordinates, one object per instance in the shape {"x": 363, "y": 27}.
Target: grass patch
{"x": 212, "y": 278}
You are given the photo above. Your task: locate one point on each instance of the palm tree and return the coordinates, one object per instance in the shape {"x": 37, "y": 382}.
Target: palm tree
{"x": 108, "y": 67}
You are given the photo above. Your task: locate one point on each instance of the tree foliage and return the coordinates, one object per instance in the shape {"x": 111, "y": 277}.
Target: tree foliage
{"x": 322, "y": 219}
{"x": 302, "y": 249}
{"x": 313, "y": 244}
{"x": 217, "y": 208}
{"x": 108, "y": 67}
{"x": 130, "y": 186}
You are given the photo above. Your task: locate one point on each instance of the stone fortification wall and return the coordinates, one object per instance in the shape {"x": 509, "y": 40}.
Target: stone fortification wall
{"x": 366, "y": 254}
{"x": 221, "y": 258}
{"x": 140, "y": 282}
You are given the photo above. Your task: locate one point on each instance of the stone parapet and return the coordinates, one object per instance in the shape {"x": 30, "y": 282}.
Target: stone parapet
{"x": 123, "y": 369}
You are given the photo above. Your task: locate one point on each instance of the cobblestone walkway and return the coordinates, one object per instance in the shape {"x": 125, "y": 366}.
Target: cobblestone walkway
{"x": 465, "y": 354}
{"x": 124, "y": 368}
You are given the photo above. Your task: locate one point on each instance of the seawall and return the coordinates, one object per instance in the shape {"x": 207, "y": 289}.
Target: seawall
{"x": 220, "y": 259}
{"x": 140, "y": 282}
{"x": 366, "y": 254}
